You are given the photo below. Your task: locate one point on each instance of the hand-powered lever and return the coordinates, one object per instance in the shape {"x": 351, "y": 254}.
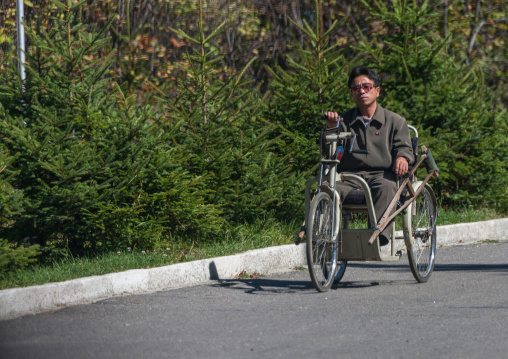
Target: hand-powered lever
{"x": 353, "y": 135}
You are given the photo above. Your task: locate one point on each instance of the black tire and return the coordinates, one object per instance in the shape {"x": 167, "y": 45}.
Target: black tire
{"x": 341, "y": 270}
{"x": 320, "y": 246}
{"x": 341, "y": 265}
{"x": 422, "y": 252}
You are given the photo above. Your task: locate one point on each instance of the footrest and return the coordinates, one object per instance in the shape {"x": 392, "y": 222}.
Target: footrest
{"x": 355, "y": 247}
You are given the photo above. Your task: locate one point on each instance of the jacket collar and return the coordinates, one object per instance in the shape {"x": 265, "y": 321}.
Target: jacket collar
{"x": 379, "y": 115}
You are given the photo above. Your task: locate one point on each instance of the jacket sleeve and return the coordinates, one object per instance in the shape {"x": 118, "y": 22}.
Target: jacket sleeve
{"x": 402, "y": 141}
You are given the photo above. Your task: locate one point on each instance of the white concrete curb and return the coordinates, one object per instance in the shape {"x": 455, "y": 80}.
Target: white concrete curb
{"x": 30, "y": 300}
{"x": 467, "y": 233}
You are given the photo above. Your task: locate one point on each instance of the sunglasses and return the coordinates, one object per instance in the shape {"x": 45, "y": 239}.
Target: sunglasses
{"x": 366, "y": 86}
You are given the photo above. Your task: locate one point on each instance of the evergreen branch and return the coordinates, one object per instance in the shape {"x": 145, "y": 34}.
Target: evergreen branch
{"x": 309, "y": 66}
{"x": 334, "y": 25}
{"x": 242, "y": 71}
{"x": 182, "y": 114}
{"x": 219, "y": 91}
{"x": 49, "y": 40}
{"x": 106, "y": 27}
{"x": 156, "y": 88}
{"x": 208, "y": 63}
{"x": 364, "y": 39}
{"x": 252, "y": 93}
{"x": 60, "y": 5}
{"x": 77, "y": 28}
{"x": 216, "y": 31}
{"x": 267, "y": 130}
{"x": 437, "y": 49}
{"x": 273, "y": 73}
{"x": 77, "y": 4}
{"x": 404, "y": 60}
{"x": 298, "y": 66}
{"x": 195, "y": 73}
{"x": 184, "y": 35}
{"x": 308, "y": 31}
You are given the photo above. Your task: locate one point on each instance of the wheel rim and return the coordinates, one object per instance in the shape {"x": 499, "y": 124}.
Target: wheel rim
{"x": 322, "y": 245}
{"x": 341, "y": 269}
{"x": 424, "y": 233}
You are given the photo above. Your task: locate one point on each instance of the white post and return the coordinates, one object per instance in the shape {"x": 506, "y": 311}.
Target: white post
{"x": 20, "y": 14}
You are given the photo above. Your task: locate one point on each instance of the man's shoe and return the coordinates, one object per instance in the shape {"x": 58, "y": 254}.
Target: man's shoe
{"x": 299, "y": 238}
{"x": 383, "y": 241}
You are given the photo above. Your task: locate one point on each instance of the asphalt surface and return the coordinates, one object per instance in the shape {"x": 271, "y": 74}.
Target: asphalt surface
{"x": 378, "y": 311}
{"x": 17, "y": 302}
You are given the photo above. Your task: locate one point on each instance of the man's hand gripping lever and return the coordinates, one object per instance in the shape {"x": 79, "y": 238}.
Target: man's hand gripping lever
{"x": 332, "y": 118}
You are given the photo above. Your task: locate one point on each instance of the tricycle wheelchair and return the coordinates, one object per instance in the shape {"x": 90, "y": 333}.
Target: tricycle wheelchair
{"x": 331, "y": 243}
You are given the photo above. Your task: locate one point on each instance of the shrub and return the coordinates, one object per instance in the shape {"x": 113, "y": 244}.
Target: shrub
{"x": 219, "y": 117}
{"x": 13, "y": 256}
{"x": 458, "y": 116}
{"x": 98, "y": 171}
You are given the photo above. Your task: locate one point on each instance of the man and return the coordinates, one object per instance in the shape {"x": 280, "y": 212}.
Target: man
{"x": 382, "y": 148}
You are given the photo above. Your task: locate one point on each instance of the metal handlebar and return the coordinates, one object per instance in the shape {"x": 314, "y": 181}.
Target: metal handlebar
{"x": 343, "y": 136}
{"x": 340, "y": 136}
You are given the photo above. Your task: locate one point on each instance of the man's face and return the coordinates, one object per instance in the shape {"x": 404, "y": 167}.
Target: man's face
{"x": 362, "y": 96}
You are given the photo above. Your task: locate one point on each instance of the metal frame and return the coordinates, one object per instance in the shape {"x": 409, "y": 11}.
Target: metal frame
{"x": 362, "y": 244}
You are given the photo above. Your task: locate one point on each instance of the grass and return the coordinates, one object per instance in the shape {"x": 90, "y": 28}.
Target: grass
{"x": 242, "y": 239}
{"x": 239, "y": 240}
{"x": 466, "y": 215}
{"x": 445, "y": 217}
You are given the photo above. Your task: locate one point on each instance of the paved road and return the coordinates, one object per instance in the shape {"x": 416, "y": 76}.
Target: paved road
{"x": 379, "y": 311}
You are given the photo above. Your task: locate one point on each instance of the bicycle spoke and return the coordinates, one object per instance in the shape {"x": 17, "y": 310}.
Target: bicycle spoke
{"x": 319, "y": 243}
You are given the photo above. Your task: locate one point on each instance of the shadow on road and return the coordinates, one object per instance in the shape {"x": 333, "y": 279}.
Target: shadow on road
{"x": 471, "y": 267}
{"x": 253, "y": 286}
{"x": 279, "y": 286}
{"x": 459, "y": 267}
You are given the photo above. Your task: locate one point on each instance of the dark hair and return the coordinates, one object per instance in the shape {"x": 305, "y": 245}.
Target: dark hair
{"x": 362, "y": 70}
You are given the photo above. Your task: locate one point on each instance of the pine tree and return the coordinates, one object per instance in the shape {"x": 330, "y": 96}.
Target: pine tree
{"x": 13, "y": 255}
{"x": 459, "y": 118}
{"x": 315, "y": 82}
{"x": 230, "y": 143}
{"x": 99, "y": 172}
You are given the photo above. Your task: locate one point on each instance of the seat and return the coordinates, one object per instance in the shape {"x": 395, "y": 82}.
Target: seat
{"x": 355, "y": 201}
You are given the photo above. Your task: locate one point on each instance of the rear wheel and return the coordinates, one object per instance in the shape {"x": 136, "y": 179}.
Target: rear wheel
{"x": 422, "y": 248}
{"x": 321, "y": 247}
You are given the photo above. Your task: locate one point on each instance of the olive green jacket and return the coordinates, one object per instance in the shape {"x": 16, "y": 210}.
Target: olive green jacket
{"x": 378, "y": 145}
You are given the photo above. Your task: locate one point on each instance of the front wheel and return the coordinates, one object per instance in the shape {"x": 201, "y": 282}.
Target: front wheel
{"x": 341, "y": 270}
{"x": 321, "y": 244}
{"x": 422, "y": 234}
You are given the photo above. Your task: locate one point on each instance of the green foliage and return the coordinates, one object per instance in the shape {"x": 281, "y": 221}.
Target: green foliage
{"x": 459, "y": 118}
{"x": 97, "y": 164}
{"x": 99, "y": 172}
{"x": 11, "y": 200}
{"x": 259, "y": 234}
{"x": 315, "y": 82}
{"x": 220, "y": 124}
{"x": 14, "y": 258}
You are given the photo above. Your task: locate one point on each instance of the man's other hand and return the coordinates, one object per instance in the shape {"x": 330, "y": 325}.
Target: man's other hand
{"x": 331, "y": 119}
{"x": 400, "y": 167}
